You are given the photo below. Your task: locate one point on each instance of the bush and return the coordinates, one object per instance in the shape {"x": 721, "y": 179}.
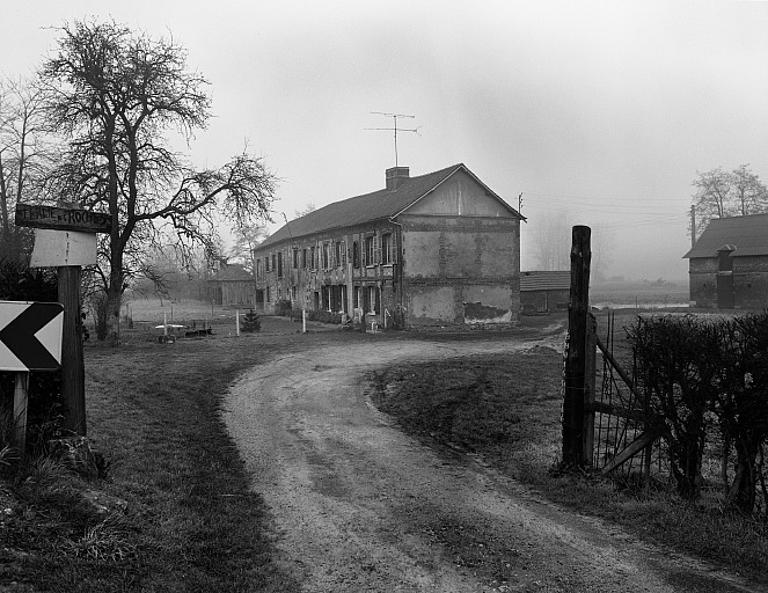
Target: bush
{"x": 674, "y": 359}
{"x": 692, "y": 370}
{"x": 283, "y": 307}
{"x": 250, "y": 322}
{"x": 324, "y": 316}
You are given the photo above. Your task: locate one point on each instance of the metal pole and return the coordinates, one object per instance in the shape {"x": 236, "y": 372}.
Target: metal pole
{"x": 304, "y": 321}
{"x": 237, "y": 322}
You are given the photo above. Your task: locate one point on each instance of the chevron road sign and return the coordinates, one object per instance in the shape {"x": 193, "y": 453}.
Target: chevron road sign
{"x": 30, "y": 336}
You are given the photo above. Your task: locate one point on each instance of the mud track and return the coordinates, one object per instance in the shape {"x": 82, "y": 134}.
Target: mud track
{"x": 359, "y": 506}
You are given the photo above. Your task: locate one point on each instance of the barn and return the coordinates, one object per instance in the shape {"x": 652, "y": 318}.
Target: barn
{"x": 434, "y": 249}
{"x": 232, "y": 285}
{"x": 542, "y": 291}
{"x": 728, "y": 264}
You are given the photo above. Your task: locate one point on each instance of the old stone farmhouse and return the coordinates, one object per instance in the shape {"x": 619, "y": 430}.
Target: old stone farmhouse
{"x": 435, "y": 249}
{"x": 728, "y": 265}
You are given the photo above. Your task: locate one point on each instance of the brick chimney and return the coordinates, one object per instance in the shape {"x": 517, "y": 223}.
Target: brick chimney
{"x": 395, "y": 177}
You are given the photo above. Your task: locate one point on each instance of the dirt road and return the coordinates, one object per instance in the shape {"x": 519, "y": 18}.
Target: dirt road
{"x": 360, "y": 507}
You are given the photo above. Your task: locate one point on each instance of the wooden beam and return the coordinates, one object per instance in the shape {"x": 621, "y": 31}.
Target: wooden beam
{"x": 576, "y": 360}
{"x": 640, "y": 443}
{"x": 20, "y": 404}
{"x": 72, "y": 371}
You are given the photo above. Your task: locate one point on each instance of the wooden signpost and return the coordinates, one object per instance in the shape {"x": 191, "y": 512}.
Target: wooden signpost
{"x": 65, "y": 238}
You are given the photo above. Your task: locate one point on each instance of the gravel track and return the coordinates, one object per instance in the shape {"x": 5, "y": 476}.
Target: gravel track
{"x": 359, "y": 506}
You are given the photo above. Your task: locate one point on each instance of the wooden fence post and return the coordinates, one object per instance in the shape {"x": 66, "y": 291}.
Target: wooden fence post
{"x": 72, "y": 371}
{"x": 576, "y": 358}
{"x": 20, "y": 403}
{"x": 590, "y": 368}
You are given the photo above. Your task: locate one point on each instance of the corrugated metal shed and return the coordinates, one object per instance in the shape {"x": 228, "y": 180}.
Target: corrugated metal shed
{"x": 748, "y": 234}
{"x": 545, "y": 280}
{"x": 381, "y": 204}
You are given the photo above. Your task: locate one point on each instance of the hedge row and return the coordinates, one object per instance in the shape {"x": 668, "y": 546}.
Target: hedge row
{"x": 705, "y": 376}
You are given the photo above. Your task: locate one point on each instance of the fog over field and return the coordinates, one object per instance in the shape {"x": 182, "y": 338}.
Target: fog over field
{"x": 598, "y": 113}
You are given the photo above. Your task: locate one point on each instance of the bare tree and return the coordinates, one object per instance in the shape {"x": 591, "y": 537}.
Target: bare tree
{"x": 552, "y": 242}
{"x": 721, "y": 193}
{"x": 25, "y": 154}
{"x": 115, "y": 94}
{"x": 310, "y": 207}
{"x": 246, "y": 240}
{"x": 749, "y": 193}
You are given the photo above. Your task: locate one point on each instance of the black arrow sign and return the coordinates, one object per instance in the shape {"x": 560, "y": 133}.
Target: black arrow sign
{"x": 19, "y": 336}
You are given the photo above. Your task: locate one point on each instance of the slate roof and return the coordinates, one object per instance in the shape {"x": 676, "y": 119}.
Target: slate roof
{"x": 748, "y": 234}
{"x": 545, "y": 280}
{"x": 377, "y": 205}
{"x": 232, "y": 272}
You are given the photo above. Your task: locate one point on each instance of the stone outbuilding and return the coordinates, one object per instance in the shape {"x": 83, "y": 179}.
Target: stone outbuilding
{"x": 728, "y": 265}
{"x": 436, "y": 249}
{"x": 542, "y": 291}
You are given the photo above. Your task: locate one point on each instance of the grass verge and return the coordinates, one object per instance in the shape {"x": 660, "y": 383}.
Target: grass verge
{"x": 190, "y": 523}
{"x": 507, "y": 408}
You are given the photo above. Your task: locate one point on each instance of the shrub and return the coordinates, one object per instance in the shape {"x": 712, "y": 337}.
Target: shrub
{"x": 741, "y": 402}
{"x": 283, "y": 307}
{"x": 324, "y": 316}
{"x": 251, "y": 322}
{"x": 694, "y": 370}
{"x": 675, "y": 357}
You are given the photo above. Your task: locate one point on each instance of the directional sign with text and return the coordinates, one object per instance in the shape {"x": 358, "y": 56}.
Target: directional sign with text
{"x": 62, "y": 219}
{"x": 30, "y": 336}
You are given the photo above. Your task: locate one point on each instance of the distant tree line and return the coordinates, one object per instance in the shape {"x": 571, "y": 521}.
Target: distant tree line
{"x": 720, "y": 193}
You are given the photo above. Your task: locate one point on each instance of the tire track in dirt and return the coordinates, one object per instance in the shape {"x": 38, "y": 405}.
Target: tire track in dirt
{"x": 359, "y": 506}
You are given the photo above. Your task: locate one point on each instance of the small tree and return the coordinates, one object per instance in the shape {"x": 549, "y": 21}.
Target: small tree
{"x": 250, "y": 322}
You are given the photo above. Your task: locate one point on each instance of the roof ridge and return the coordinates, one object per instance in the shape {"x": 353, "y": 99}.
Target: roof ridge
{"x": 375, "y": 205}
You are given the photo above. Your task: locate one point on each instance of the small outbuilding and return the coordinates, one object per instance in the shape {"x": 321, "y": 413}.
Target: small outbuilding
{"x": 728, "y": 264}
{"x": 543, "y": 291}
{"x": 232, "y": 285}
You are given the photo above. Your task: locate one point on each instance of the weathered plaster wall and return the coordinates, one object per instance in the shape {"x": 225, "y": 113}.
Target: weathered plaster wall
{"x": 461, "y": 270}
{"x": 750, "y": 282}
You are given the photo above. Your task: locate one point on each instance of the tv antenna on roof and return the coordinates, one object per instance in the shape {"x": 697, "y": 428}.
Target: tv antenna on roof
{"x": 394, "y": 127}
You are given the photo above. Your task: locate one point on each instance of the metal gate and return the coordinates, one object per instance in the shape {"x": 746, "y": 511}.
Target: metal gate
{"x": 625, "y": 431}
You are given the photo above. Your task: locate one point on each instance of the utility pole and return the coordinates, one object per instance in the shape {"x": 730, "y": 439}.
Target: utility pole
{"x": 394, "y": 127}
{"x": 693, "y": 226}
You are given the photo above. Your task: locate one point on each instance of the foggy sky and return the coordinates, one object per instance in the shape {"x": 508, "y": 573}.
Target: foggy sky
{"x": 601, "y": 113}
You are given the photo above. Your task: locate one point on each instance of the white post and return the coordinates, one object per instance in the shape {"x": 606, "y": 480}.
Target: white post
{"x": 303, "y": 321}
{"x": 165, "y": 323}
{"x": 237, "y": 322}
